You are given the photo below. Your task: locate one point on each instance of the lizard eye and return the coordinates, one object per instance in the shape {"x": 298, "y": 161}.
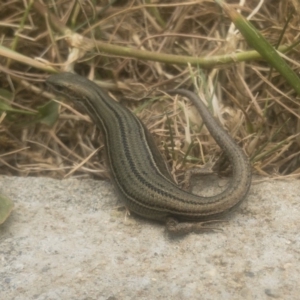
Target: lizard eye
{"x": 60, "y": 88}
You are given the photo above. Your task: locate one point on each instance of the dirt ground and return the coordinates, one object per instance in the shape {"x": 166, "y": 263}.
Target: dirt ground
{"x": 71, "y": 239}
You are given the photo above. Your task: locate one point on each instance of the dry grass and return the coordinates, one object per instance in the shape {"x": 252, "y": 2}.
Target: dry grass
{"x": 129, "y": 48}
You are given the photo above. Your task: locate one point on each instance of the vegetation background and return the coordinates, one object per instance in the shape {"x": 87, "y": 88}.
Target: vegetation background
{"x": 136, "y": 50}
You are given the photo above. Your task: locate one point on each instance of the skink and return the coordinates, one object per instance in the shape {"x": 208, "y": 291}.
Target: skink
{"x": 137, "y": 167}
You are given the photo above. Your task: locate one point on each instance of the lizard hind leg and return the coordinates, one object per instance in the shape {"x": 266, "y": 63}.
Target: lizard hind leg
{"x": 181, "y": 228}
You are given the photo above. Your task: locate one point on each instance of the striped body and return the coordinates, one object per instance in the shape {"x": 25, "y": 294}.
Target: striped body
{"x": 137, "y": 168}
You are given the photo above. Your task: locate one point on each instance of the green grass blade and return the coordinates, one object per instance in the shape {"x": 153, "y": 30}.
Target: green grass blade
{"x": 256, "y": 40}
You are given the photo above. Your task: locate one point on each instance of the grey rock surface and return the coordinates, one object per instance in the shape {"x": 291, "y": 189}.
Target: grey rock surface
{"x": 71, "y": 239}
